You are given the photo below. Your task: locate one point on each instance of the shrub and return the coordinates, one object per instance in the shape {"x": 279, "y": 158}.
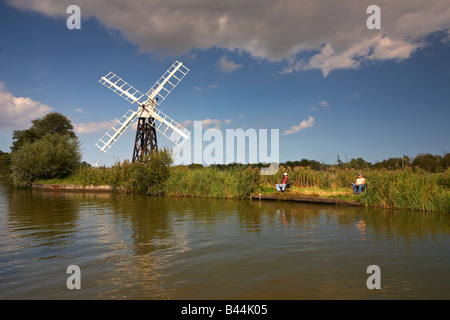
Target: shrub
{"x": 53, "y": 156}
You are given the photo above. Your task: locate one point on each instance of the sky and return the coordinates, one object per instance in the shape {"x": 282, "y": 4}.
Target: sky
{"x": 313, "y": 70}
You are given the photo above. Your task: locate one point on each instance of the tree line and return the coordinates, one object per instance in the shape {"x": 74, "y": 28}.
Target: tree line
{"x": 427, "y": 162}
{"x": 424, "y": 161}
{"x": 51, "y": 149}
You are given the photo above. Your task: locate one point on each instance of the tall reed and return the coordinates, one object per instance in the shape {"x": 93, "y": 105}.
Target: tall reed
{"x": 411, "y": 189}
{"x": 213, "y": 183}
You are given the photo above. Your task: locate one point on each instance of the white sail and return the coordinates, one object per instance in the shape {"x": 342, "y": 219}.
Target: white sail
{"x": 122, "y": 88}
{"x": 109, "y": 138}
{"x": 167, "y": 82}
{"x": 171, "y": 129}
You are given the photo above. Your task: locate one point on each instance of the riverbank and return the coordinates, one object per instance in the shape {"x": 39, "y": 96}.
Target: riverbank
{"x": 401, "y": 189}
{"x": 297, "y": 198}
{"x": 72, "y": 187}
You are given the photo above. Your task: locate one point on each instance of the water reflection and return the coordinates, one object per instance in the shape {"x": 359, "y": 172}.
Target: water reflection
{"x": 140, "y": 247}
{"x": 382, "y": 223}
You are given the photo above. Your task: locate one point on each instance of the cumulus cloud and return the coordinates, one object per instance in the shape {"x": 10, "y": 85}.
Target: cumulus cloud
{"x": 321, "y": 34}
{"x": 217, "y": 123}
{"x": 302, "y": 126}
{"x": 17, "y": 112}
{"x": 94, "y": 126}
{"x": 226, "y": 66}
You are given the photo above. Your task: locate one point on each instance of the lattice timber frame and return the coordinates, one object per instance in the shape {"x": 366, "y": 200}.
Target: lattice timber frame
{"x": 145, "y": 143}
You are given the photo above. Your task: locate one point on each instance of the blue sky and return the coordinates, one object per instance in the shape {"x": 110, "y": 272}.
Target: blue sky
{"x": 364, "y": 93}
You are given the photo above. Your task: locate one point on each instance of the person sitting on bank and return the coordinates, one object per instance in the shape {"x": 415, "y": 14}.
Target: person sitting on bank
{"x": 284, "y": 182}
{"x": 359, "y": 184}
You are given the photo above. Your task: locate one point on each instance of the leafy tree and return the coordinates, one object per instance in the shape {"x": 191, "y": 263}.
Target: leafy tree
{"x": 21, "y": 137}
{"x": 52, "y": 123}
{"x": 5, "y": 162}
{"x": 445, "y": 161}
{"x": 313, "y": 164}
{"x": 53, "y": 156}
{"x": 152, "y": 175}
{"x": 427, "y": 162}
{"x": 195, "y": 166}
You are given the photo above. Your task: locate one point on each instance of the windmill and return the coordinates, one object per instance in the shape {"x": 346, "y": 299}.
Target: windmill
{"x": 150, "y": 119}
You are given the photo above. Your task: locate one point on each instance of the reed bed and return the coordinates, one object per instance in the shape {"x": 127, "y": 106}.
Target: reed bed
{"x": 409, "y": 189}
{"x": 210, "y": 182}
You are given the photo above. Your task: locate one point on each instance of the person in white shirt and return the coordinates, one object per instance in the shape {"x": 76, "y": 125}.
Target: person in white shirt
{"x": 360, "y": 182}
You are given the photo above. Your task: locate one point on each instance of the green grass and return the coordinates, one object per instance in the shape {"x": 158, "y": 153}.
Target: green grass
{"x": 408, "y": 189}
{"x": 212, "y": 183}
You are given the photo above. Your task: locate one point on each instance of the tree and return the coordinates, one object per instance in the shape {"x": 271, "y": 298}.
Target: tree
{"x": 445, "y": 161}
{"x": 52, "y": 123}
{"x": 21, "y": 137}
{"x": 358, "y": 164}
{"x": 53, "y": 156}
{"x": 5, "y": 162}
{"x": 427, "y": 162}
{"x": 152, "y": 175}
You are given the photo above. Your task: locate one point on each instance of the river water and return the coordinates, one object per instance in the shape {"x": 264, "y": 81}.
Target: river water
{"x": 141, "y": 247}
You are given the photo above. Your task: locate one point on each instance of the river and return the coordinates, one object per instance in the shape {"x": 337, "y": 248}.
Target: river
{"x": 141, "y": 247}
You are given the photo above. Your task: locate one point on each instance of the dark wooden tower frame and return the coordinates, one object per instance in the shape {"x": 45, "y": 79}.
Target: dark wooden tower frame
{"x": 145, "y": 143}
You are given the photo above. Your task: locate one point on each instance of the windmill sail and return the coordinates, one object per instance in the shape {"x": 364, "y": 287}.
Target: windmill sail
{"x": 167, "y": 82}
{"x": 106, "y": 142}
{"x": 171, "y": 129}
{"x": 122, "y": 88}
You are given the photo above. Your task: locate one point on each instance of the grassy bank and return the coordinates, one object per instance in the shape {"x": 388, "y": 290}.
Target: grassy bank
{"x": 408, "y": 189}
{"x": 238, "y": 183}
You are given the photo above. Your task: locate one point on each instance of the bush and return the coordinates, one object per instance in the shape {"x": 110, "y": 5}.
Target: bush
{"x": 147, "y": 177}
{"x": 53, "y": 156}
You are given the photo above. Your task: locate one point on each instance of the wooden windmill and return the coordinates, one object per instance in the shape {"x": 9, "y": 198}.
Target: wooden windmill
{"x": 150, "y": 119}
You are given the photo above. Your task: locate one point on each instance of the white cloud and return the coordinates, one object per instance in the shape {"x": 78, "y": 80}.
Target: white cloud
{"x": 227, "y": 66}
{"x": 17, "y": 112}
{"x": 216, "y": 123}
{"x": 211, "y": 86}
{"x": 186, "y": 123}
{"x": 377, "y": 48}
{"x": 302, "y": 126}
{"x": 320, "y": 34}
{"x": 94, "y": 126}
{"x": 80, "y": 110}
{"x": 353, "y": 96}
{"x": 325, "y": 104}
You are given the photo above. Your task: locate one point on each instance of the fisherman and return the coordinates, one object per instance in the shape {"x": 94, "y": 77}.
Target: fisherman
{"x": 284, "y": 182}
{"x": 359, "y": 184}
